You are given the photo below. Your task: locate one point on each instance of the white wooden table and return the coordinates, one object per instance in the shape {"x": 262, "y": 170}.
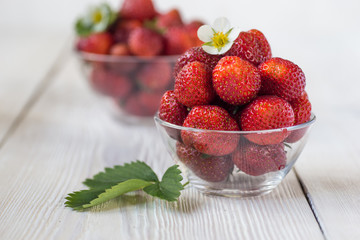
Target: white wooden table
{"x": 54, "y": 133}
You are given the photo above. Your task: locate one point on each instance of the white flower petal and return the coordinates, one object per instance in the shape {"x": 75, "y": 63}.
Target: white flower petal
{"x": 226, "y": 48}
{"x": 234, "y": 34}
{"x": 210, "y": 50}
{"x": 205, "y": 33}
{"x": 221, "y": 25}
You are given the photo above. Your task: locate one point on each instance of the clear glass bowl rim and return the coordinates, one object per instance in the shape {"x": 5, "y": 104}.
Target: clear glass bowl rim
{"x": 292, "y": 128}
{"x": 113, "y": 59}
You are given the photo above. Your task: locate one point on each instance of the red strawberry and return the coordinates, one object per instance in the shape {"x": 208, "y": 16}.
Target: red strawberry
{"x": 208, "y": 168}
{"x": 155, "y": 76}
{"x": 145, "y": 42}
{"x": 114, "y": 85}
{"x": 193, "y": 85}
{"x": 209, "y": 142}
{"x": 282, "y": 78}
{"x": 196, "y": 54}
{"x": 143, "y": 103}
{"x": 257, "y": 160}
{"x": 251, "y": 46}
{"x": 236, "y": 81}
{"x": 302, "y": 108}
{"x": 123, "y": 28}
{"x": 264, "y": 49}
{"x": 171, "y": 110}
{"x": 192, "y": 29}
{"x": 267, "y": 112}
{"x": 120, "y": 49}
{"x": 137, "y": 9}
{"x": 170, "y": 19}
{"x": 302, "y": 111}
{"x": 177, "y": 40}
{"x": 99, "y": 43}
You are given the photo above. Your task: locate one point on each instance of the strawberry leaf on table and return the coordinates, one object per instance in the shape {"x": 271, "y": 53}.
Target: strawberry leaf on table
{"x": 77, "y": 200}
{"x": 119, "y": 180}
{"x": 112, "y": 176}
{"x": 169, "y": 187}
{"x": 117, "y": 190}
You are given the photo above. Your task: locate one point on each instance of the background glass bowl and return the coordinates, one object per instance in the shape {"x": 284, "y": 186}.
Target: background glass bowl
{"x": 134, "y": 84}
{"x": 234, "y": 163}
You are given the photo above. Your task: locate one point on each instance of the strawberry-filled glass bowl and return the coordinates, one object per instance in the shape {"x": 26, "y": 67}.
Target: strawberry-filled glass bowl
{"x": 133, "y": 85}
{"x": 234, "y": 163}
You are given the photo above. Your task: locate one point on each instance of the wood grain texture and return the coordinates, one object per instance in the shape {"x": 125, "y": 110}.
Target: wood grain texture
{"x": 330, "y": 171}
{"x": 26, "y": 58}
{"x": 69, "y": 135}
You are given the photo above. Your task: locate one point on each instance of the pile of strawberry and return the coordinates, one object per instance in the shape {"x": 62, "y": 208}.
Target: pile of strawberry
{"x": 244, "y": 89}
{"x": 138, "y": 29}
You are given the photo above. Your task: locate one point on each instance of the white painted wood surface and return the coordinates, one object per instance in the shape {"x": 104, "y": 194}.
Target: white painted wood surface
{"x": 54, "y": 133}
{"x": 26, "y": 58}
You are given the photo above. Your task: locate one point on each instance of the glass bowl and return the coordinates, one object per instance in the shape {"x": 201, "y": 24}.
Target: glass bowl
{"x": 234, "y": 163}
{"x": 134, "y": 84}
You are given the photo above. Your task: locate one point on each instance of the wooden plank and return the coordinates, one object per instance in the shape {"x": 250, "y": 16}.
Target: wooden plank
{"x": 330, "y": 171}
{"x": 69, "y": 136}
{"x": 26, "y": 58}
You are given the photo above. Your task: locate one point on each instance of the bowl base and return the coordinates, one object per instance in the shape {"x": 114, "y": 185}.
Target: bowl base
{"x": 239, "y": 185}
{"x": 235, "y": 193}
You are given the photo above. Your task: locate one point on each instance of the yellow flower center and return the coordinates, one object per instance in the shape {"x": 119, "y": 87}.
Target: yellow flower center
{"x": 97, "y": 16}
{"x": 220, "y": 39}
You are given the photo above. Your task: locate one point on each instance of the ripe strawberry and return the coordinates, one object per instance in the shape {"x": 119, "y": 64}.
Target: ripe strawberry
{"x": 211, "y": 118}
{"x": 257, "y": 160}
{"x": 196, "y": 54}
{"x": 143, "y": 103}
{"x": 155, "y": 76}
{"x": 193, "y": 85}
{"x": 137, "y": 9}
{"x": 302, "y": 108}
{"x": 145, "y": 42}
{"x": 123, "y": 28}
{"x": 251, "y": 46}
{"x": 267, "y": 112}
{"x": 282, "y": 78}
{"x": 99, "y": 43}
{"x": 236, "y": 81}
{"x": 114, "y": 85}
{"x": 177, "y": 40}
{"x": 170, "y": 19}
{"x": 120, "y": 49}
{"x": 302, "y": 111}
{"x": 192, "y": 29}
{"x": 208, "y": 168}
{"x": 171, "y": 110}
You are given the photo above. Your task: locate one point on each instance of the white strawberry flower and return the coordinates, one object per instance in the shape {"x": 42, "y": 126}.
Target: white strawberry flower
{"x": 219, "y": 37}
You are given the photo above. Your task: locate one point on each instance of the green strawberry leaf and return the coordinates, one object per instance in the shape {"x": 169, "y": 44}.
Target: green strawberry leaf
{"x": 117, "y": 174}
{"x": 119, "y": 180}
{"x": 76, "y": 200}
{"x": 89, "y": 198}
{"x": 170, "y": 186}
{"x": 117, "y": 190}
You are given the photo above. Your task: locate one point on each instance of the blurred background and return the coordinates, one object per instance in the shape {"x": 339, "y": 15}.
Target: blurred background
{"x": 322, "y": 37}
